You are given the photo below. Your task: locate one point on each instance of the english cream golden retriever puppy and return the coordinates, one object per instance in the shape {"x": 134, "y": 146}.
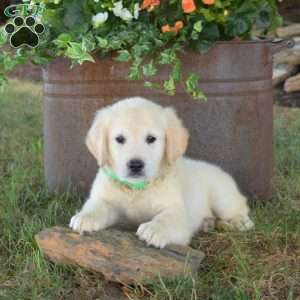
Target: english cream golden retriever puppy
{"x": 145, "y": 178}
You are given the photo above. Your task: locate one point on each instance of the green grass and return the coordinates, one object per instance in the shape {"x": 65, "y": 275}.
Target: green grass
{"x": 262, "y": 264}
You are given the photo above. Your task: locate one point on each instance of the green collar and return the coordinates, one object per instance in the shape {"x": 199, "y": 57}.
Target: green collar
{"x": 137, "y": 186}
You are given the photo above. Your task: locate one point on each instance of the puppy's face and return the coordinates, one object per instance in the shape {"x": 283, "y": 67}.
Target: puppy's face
{"x": 135, "y": 137}
{"x": 136, "y": 145}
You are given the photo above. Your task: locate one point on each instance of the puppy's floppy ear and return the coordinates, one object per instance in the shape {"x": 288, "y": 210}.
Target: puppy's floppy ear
{"x": 176, "y": 136}
{"x": 96, "y": 139}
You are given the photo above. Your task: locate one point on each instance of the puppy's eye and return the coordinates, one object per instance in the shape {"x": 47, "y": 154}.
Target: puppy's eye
{"x": 120, "y": 139}
{"x": 150, "y": 139}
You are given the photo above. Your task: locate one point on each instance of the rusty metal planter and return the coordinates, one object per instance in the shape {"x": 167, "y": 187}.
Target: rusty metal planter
{"x": 232, "y": 129}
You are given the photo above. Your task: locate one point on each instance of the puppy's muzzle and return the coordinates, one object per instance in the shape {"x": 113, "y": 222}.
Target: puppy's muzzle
{"x": 136, "y": 167}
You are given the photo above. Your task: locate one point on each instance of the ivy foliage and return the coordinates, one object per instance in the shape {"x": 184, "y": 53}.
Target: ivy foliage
{"x": 86, "y": 29}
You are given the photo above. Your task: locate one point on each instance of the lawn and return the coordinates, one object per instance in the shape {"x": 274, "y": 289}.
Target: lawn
{"x": 261, "y": 264}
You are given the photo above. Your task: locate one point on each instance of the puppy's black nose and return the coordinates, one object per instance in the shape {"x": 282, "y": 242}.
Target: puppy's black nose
{"x": 136, "y": 165}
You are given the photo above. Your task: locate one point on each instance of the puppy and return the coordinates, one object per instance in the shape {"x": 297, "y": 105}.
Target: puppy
{"x": 144, "y": 178}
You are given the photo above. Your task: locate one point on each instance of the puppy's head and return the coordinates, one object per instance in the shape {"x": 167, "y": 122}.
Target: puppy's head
{"x": 135, "y": 137}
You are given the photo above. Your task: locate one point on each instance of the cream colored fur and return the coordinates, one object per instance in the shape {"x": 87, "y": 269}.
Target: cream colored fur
{"x": 183, "y": 195}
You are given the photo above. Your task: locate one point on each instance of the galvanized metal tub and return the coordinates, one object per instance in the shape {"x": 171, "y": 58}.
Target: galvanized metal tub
{"x": 233, "y": 129}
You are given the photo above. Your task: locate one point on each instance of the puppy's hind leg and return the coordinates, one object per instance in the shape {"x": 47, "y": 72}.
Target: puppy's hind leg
{"x": 241, "y": 223}
{"x": 231, "y": 210}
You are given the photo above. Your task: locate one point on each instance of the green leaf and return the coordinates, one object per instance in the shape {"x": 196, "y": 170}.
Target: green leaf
{"x": 198, "y": 26}
{"x": 167, "y": 57}
{"x": 210, "y": 32}
{"x": 246, "y": 8}
{"x": 237, "y": 26}
{"x": 208, "y": 14}
{"x": 141, "y": 49}
{"x": 134, "y": 70}
{"x": 276, "y": 22}
{"x": 176, "y": 70}
{"x": 40, "y": 60}
{"x": 169, "y": 86}
{"x": 8, "y": 62}
{"x": 103, "y": 43}
{"x": 124, "y": 55}
{"x": 194, "y": 35}
{"x": 264, "y": 18}
{"x": 149, "y": 84}
{"x": 241, "y": 26}
{"x": 149, "y": 69}
{"x": 192, "y": 87}
{"x": 63, "y": 40}
{"x": 88, "y": 43}
{"x": 204, "y": 46}
{"x": 3, "y": 36}
{"x": 77, "y": 53}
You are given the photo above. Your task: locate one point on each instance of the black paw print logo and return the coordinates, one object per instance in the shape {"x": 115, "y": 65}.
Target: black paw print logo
{"x": 24, "y": 32}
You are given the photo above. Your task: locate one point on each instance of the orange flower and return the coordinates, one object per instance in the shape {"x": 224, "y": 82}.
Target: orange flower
{"x": 209, "y": 2}
{"x": 175, "y": 29}
{"x": 179, "y": 25}
{"x": 150, "y": 4}
{"x": 167, "y": 28}
{"x": 188, "y": 6}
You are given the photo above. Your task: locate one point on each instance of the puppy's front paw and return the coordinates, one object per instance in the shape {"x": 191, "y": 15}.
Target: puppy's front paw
{"x": 85, "y": 223}
{"x": 153, "y": 233}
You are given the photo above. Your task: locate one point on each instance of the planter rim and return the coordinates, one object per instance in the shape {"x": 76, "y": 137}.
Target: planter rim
{"x": 257, "y": 41}
{"x": 278, "y": 44}
{"x": 231, "y": 42}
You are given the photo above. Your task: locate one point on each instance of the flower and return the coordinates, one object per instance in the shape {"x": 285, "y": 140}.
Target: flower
{"x": 166, "y": 28}
{"x": 136, "y": 11}
{"x": 209, "y": 2}
{"x": 179, "y": 25}
{"x": 188, "y": 6}
{"x": 99, "y": 19}
{"x": 175, "y": 29}
{"x": 117, "y": 9}
{"x": 150, "y": 4}
{"x": 126, "y": 15}
{"x": 121, "y": 12}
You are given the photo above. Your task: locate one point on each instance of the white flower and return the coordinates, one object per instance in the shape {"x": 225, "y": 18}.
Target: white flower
{"x": 117, "y": 10}
{"x": 99, "y": 19}
{"x": 136, "y": 10}
{"x": 126, "y": 15}
{"x": 96, "y": 1}
{"x": 121, "y": 12}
